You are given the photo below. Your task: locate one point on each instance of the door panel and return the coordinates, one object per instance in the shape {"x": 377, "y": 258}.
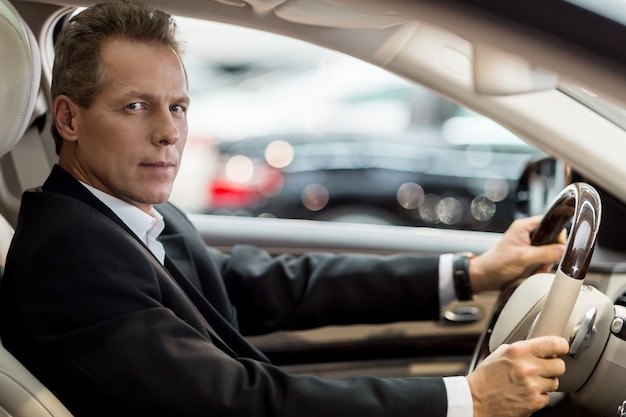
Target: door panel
{"x": 298, "y": 236}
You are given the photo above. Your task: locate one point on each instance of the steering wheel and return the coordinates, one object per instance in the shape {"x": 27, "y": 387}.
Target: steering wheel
{"x": 580, "y": 204}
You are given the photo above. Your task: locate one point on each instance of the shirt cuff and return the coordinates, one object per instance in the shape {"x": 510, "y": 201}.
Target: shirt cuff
{"x": 459, "y": 397}
{"x": 446, "y": 281}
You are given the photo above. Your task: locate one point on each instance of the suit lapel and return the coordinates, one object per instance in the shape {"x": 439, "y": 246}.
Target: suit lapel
{"x": 179, "y": 268}
{"x": 180, "y": 264}
{"x": 178, "y": 253}
{"x": 237, "y": 345}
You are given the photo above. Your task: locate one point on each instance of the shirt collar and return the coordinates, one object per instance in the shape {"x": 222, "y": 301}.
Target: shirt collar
{"x": 139, "y": 222}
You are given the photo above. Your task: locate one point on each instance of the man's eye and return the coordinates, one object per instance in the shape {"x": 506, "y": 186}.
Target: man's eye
{"x": 177, "y": 108}
{"x": 133, "y": 106}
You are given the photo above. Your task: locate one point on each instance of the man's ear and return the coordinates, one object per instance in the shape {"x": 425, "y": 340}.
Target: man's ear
{"x": 65, "y": 111}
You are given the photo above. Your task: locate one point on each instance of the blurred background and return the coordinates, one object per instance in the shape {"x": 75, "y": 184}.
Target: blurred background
{"x": 280, "y": 128}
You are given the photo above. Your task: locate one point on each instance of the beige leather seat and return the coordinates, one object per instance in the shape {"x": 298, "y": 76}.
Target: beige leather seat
{"x": 21, "y": 394}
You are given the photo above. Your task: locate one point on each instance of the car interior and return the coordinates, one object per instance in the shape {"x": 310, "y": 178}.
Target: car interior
{"x": 21, "y": 393}
{"x": 486, "y": 59}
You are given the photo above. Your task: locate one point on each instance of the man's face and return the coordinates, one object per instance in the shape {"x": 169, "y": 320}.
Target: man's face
{"x": 130, "y": 141}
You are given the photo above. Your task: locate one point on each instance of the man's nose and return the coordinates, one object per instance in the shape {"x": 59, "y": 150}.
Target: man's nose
{"x": 166, "y": 128}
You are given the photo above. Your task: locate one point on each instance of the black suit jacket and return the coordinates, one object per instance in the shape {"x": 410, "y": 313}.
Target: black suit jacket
{"x": 88, "y": 309}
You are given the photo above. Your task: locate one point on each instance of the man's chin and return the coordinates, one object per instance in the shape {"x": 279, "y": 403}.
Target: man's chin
{"x": 160, "y": 199}
{"x": 146, "y": 202}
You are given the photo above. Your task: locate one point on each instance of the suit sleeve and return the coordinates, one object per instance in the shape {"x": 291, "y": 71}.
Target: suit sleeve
{"x": 288, "y": 292}
{"x": 319, "y": 289}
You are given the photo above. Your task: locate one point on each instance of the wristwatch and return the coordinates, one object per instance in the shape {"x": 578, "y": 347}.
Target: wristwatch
{"x": 460, "y": 275}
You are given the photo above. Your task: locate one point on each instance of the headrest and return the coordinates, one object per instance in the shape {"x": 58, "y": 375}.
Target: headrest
{"x": 20, "y": 74}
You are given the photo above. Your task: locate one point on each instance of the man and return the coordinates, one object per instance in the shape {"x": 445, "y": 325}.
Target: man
{"x": 112, "y": 300}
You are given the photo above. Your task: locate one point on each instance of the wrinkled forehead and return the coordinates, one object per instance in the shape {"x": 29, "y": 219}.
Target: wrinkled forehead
{"x": 147, "y": 67}
{"x": 137, "y": 53}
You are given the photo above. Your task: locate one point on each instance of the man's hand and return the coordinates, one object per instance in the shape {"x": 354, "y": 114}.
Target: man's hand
{"x": 512, "y": 255}
{"x": 514, "y": 381}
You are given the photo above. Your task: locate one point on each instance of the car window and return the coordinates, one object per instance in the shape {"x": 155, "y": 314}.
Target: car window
{"x": 280, "y": 128}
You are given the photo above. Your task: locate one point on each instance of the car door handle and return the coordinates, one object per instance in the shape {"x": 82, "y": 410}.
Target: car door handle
{"x": 463, "y": 314}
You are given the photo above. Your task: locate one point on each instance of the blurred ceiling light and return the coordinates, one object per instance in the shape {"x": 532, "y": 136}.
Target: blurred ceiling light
{"x": 315, "y": 197}
{"x": 450, "y": 210}
{"x": 428, "y": 209}
{"x": 410, "y": 195}
{"x": 482, "y": 208}
{"x": 279, "y": 154}
{"x": 239, "y": 169}
{"x": 496, "y": 189}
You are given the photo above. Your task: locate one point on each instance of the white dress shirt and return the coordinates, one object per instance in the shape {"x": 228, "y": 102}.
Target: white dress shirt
{"x": 460, "y": 402}
{"x": 146, "y": 226}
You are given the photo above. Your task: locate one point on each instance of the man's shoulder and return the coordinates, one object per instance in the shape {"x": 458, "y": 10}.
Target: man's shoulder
{"x": 51, "y": 206}
{"x": 53, "y": 217}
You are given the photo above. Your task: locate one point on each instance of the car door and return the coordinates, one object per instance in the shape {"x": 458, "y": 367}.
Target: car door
{"x": 442, "y": 347}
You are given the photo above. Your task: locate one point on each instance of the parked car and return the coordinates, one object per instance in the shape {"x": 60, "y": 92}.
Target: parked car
{"x": 418, "y": 179}
{"x": 552, "y": 72}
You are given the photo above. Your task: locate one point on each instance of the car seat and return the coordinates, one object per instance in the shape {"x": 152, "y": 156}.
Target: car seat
{"x": 21, "y": 394}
